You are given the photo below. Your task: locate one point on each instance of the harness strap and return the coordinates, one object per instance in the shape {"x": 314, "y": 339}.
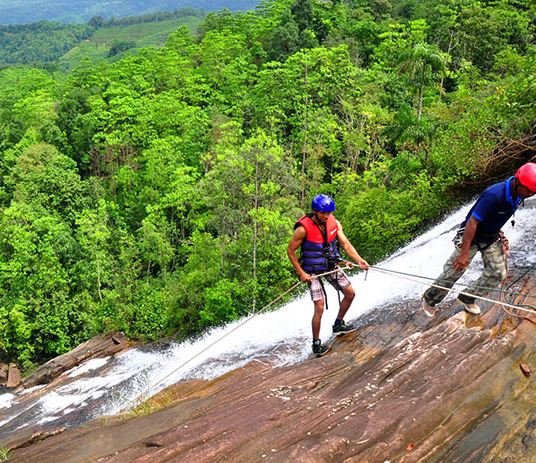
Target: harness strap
{"x": 481, "y": 246}
{"x": 336, "y": 287}
{"x": 324, "y": 292}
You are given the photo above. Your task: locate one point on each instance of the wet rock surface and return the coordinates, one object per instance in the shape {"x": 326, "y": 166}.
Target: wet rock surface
{"x": 403, "y": 388}
{"x": 19, "y": 423}
{"x": 99, "y": 346}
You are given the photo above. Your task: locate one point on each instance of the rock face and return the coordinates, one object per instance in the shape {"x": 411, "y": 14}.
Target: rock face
{"x": 99, "y": 346}
{"x": 10, "y": 376}
{"x": 403, "y": 388}
{"x": 4, "y": 368}
{"x": 13, "y": 376}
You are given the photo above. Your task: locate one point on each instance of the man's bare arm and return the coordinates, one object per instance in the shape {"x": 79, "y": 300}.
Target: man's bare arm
{"x": 349, "y": 249}
{"x": 293, "y": 245}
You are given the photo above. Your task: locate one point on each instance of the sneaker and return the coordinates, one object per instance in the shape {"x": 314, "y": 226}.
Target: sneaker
{"x": 320, "y": 349}
{"x": 471, "y": 307}
{"x": 428, "y": 309}
{"x": 343, "y": 328}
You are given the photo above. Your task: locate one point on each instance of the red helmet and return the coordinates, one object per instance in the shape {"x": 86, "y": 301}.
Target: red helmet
{"x": 526, "y": 175}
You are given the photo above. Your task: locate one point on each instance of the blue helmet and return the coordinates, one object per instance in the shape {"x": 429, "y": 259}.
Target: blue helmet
{"x": 323, "y": 203}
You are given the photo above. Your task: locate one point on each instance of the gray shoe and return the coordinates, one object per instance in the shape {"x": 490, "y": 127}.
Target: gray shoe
{"x": 320, "y": 349}
{"x": 428, "y": 309}
{"x": 343, "y": 328}
{"x": 471, "y": 307}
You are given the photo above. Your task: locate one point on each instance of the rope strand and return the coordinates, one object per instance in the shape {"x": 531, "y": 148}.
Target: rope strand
{"x": 412, "y": 278}
{"x": 398, "y": 274}
{"x": 484, "y": 288}
{"x": 250, "y": 317}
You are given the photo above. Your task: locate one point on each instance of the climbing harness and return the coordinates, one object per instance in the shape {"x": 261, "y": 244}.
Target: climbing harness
{"x": 489, "y": 238}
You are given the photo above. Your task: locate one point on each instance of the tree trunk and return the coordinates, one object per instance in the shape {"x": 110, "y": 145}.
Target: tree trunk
{"x": 305, "y": 128}
{"x": 421, "y": 94}
{"x": 255, "y": 233}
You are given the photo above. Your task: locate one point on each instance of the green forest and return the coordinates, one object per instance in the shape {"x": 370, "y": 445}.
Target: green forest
{"x": 53, "y": 45}
{"x": 156, "y": 194}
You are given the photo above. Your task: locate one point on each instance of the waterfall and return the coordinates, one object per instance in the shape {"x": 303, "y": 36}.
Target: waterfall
{"x": 107, "y": 386}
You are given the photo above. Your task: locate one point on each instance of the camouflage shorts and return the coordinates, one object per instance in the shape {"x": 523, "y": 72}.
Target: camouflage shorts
{"x": 494, "y": 271}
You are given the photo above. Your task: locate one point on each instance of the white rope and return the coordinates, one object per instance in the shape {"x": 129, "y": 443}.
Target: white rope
{"x": 415, "y": 279}
{"x": 250, "y": 317}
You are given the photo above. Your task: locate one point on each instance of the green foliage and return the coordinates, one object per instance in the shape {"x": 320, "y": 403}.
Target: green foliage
{"x": 155, "y": 193}
{"x": 39, "y": 316}
{"x": 382, "y": 218}
{"x": 27, "y": 98}
{"x": 220, "y": 302}
{"x": 39, "y": 43}
{"x": 119, "y": 46}
{"x": 45, "y": 177}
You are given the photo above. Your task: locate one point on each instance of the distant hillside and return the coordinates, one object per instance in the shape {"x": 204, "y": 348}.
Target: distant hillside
{"x": 39, "y": 43}
{"x": 69, "y": 11}
{"x": 47, "y": 43}
{"x": 111, "y": 42}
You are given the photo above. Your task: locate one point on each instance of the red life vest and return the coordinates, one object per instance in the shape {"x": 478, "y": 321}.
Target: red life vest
{"x": 319, "y": 253}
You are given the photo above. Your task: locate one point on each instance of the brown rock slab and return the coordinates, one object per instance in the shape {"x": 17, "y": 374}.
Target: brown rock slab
{"x": 13, "y": 377}
{"x": 4, "y": 368}
{"x": 99, "y": 346}
{"x": 402, "y": 389}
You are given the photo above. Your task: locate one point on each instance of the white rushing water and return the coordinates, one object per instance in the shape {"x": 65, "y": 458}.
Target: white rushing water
{"x": 280, "y": 337}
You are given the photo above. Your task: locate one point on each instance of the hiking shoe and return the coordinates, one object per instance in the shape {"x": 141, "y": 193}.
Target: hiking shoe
{"x": 471, "y": 307}
{"x": 428, "y": 309}
{"x": 343, "y": 328}
{"x": 319, "y": 349}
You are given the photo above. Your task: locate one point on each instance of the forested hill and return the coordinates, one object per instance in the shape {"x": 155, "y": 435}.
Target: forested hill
{"x": 156, "y": 194}
{"x": 56, "y": 45}
{"x": 77, "y": 11}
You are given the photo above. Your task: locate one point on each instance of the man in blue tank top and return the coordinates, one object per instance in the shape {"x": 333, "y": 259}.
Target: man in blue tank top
{"x": 481, "y": 231}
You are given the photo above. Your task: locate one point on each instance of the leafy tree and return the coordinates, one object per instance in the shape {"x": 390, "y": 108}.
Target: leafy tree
{"x": 119, "y": 46}
{"x": 423, "y": 64}
{"x": 26, "y": 100}
{"x": 47, "y": 178}
{"x": 247, "y": 194}
{"x": 96, "y": 21}
{"x": 40, "y": 318}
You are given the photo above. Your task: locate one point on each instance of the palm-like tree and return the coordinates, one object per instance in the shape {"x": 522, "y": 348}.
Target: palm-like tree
{"x": 423, "y": 63}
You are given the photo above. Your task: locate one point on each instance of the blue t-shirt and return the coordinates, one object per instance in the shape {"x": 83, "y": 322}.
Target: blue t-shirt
{"x": 492, "y": 209}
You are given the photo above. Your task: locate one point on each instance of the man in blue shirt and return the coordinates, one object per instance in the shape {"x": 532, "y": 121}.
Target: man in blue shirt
{"x": 481, "y": 231}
